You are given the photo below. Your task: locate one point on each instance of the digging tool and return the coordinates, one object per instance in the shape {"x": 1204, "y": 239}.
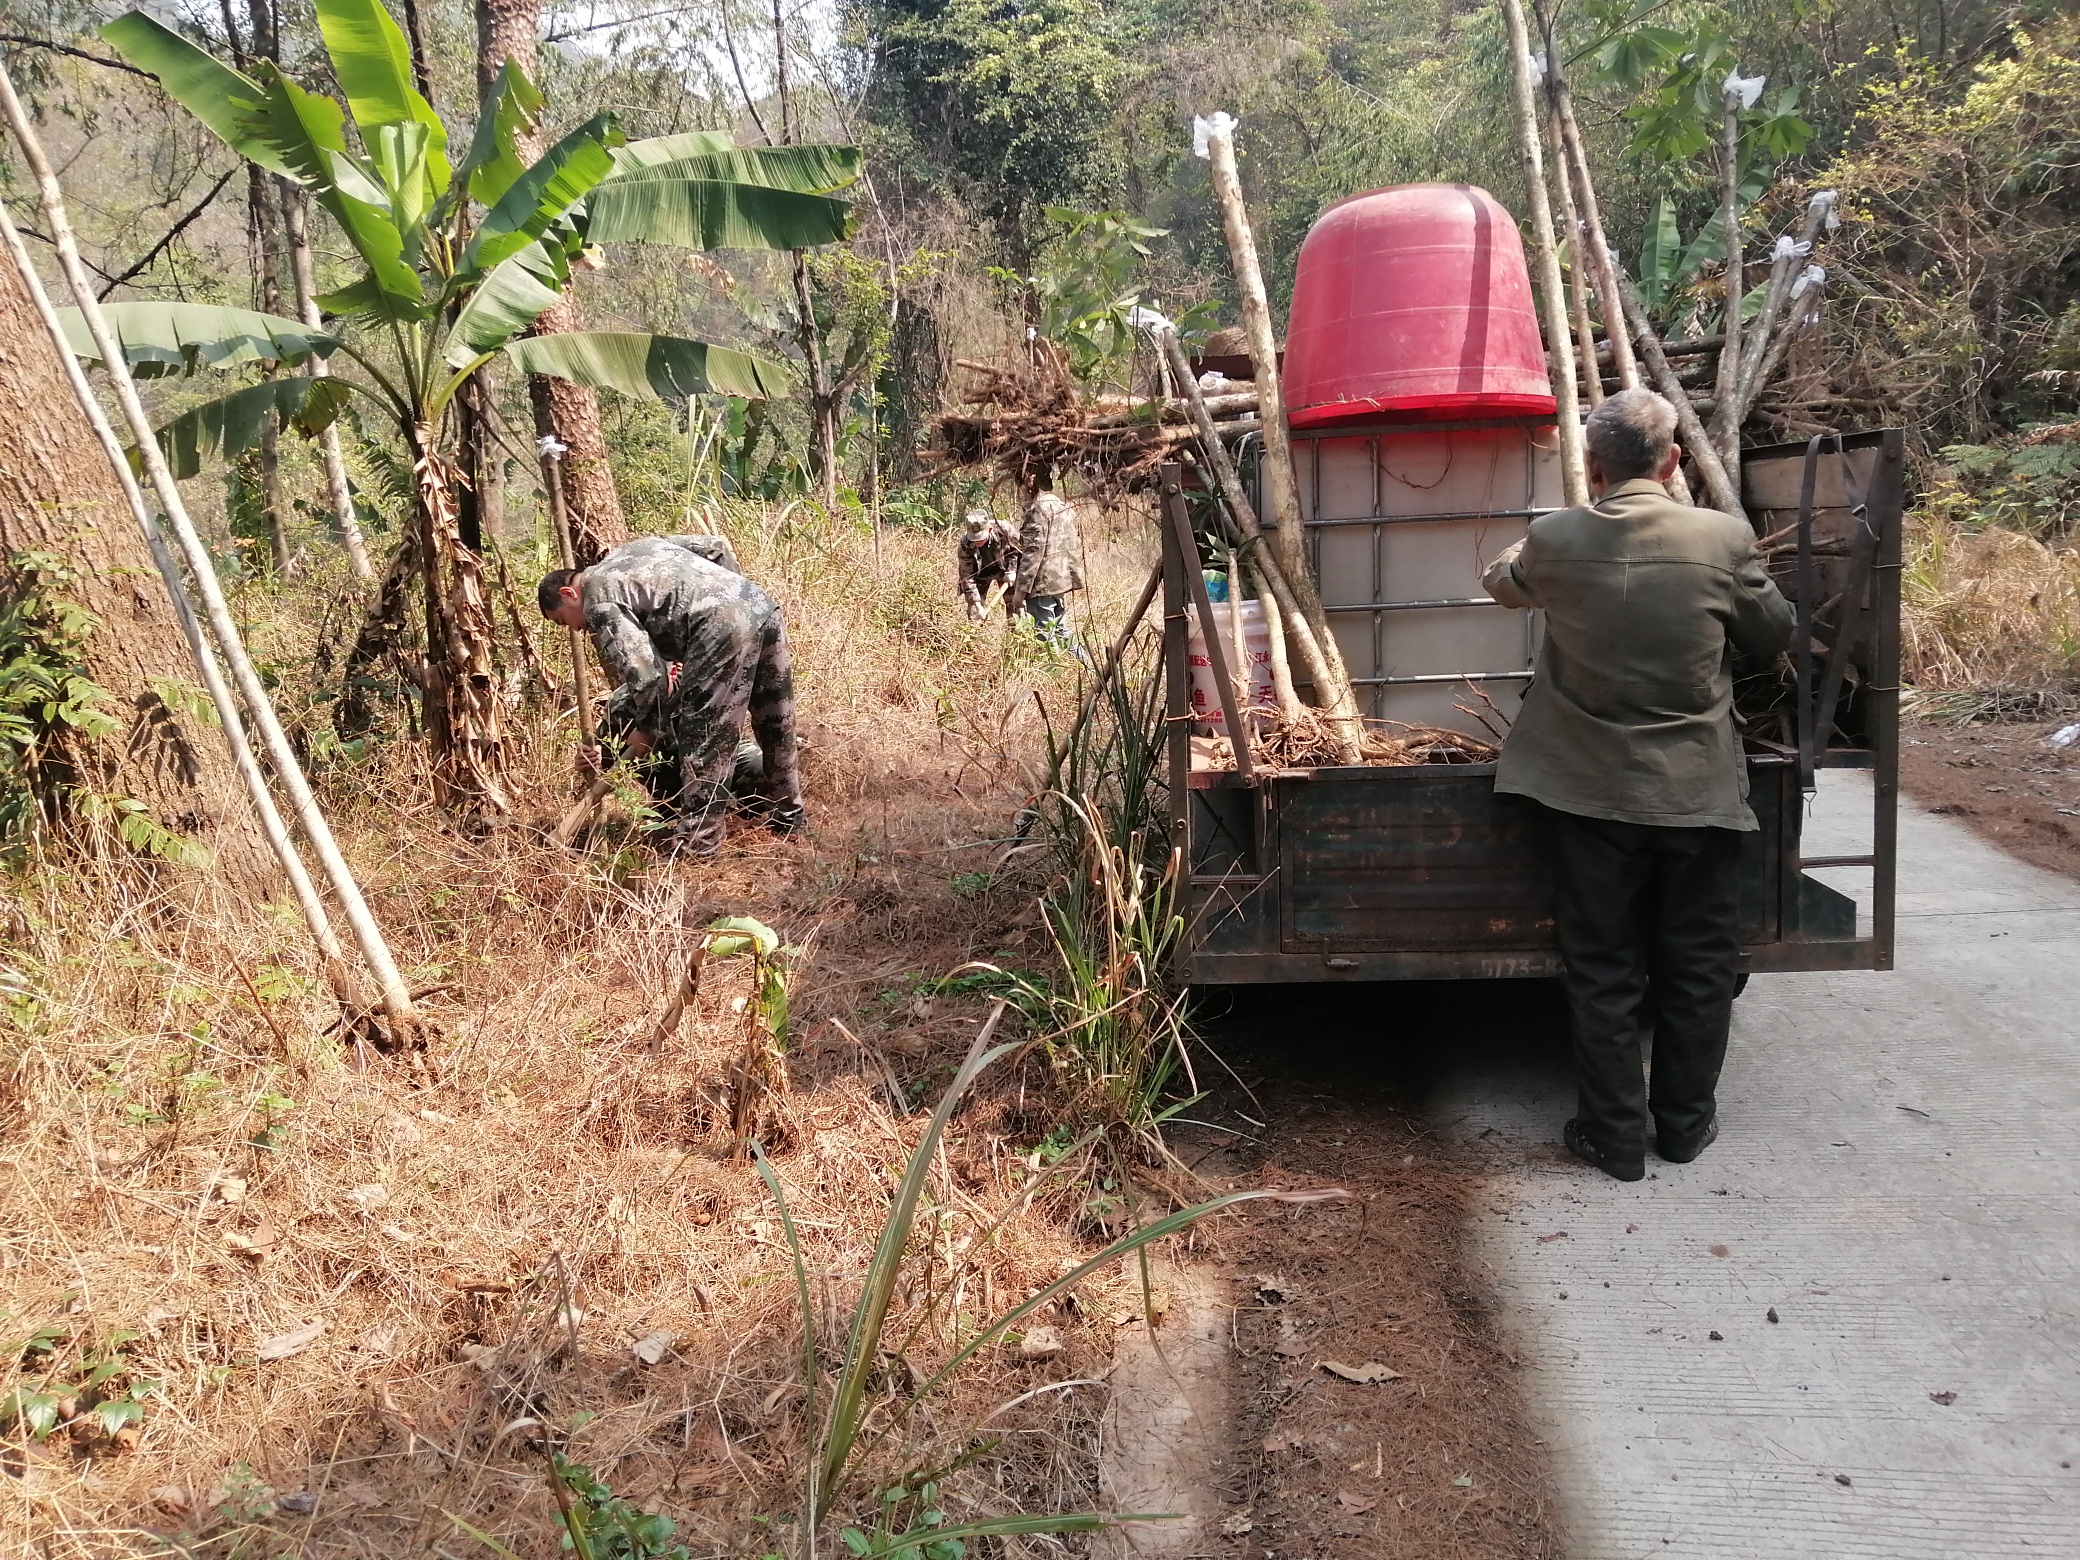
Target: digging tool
{"x": 581, "y": 812}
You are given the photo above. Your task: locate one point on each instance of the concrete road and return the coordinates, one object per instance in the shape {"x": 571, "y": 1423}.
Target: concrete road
{"x": 1852, "y": 1328}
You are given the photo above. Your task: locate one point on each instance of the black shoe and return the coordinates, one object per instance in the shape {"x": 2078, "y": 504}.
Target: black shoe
{"x": 1683, "y": 1153}
{"x": 1593, "y": 1154}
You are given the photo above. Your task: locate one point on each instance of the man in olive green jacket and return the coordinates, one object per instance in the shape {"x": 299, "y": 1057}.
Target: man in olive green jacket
{"x": 1627, "y": 741}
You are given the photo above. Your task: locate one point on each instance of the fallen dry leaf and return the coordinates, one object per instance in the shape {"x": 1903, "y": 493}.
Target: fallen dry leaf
{"x": 229, "y": 1188}
{"x": 1354, "y": 1503}
{"x": 1237, "y": 1526}
{"x": 402, "y": 1236}
{"x": 1547, "y": 1240}
{"x": 174, "y": 1499}
{"x": 1039, "y": 1342}
{"x": 1722, "y": 1251}
{"x": 295, "y": 1341}
{"x": 1289, "y": 1348}
{"x": 1370, "y": 1374}
{"x": 653, "y": 1347}
{"x": 1944, "y": 1398}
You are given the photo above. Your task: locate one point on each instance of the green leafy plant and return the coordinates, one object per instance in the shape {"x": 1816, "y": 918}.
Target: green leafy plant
{"x": 50, "y": 708}
{"x": 1086, "y": 285}
{"x": 1111, "y": 1023}
{"x": 851, "y": 1427}
{"x": 96, "y": 1393}
{"x": 739, "y": 936}
{"x": 600, "y": 1525}
{"x": 2030, "y": 484}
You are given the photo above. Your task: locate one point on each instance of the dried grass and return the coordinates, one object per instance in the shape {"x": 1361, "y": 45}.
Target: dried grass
{"x": 1988, "y": 609}
{"x": 1278, "y": 742}
{"x": 561, "y": 1190}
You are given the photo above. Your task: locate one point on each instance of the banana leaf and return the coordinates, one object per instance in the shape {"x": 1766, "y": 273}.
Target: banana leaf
{"x": 309, "y": 130}
{"x": 654, "y": 367}
{"x": 206, "y": 87}
{"x": 712, "y": 214}
{"x": 398, "y": 155}
{"x": 160, "y": 338}
{"x": 516, "y": 293}
{"x": 373, "y": 65}
{"x": 809, "y": 170}
{"x": 233, "y": 423}
{"x": 562, "y": 176}
{"x": 1659, "y": 255}
{"x": 507, "y": 112}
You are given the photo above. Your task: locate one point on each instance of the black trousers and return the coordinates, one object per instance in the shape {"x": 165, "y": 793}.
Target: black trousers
{"x": 1649, "y": 927}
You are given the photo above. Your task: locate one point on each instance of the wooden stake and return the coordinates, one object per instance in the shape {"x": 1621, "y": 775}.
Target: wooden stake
{"x": 1765, "y": 345}
{"x": 409, "y": 1030}
{"x": 1559, "y": 344}
{"x": 1577, "y": 249}
{"x": 1332, "y": 680}
{"x": 1726, "y": 423}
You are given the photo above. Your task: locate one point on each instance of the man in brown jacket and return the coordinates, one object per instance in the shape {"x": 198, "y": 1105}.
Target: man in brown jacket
{"x": 1626, "y": 739}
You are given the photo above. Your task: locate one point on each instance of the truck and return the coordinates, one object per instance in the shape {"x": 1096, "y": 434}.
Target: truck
{"x": 1421, "y": 872}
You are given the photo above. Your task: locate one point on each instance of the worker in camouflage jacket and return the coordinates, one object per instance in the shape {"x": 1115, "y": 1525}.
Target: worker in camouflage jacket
{"x": 693, "y": 647}
{"x": 986, "y": 560}
{"x": 1050, "y": 559}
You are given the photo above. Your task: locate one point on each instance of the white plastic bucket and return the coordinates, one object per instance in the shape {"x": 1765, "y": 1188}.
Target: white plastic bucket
{"x": 1208, "y": 718}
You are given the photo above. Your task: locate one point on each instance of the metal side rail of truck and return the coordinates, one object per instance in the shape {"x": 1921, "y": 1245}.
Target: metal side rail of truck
{"x": 1423, "y": 872}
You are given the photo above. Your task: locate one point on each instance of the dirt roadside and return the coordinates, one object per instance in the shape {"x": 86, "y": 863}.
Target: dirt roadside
{"x": 2004, "y": 781}
{"x": 1437, "y": 1461}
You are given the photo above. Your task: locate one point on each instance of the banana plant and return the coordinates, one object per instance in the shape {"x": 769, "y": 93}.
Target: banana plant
{"x": 458, "y": 258}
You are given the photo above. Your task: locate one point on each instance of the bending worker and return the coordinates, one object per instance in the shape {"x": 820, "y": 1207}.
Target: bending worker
{"x": 694, "y": 647}
{"x": 987, "y": 561}
{"x": 1627, "y": 741}
{"x": 1050, "y": 559}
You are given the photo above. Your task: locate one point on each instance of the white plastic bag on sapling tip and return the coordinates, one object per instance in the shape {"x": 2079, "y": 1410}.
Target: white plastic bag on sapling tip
{"x": 1206, "y": 126}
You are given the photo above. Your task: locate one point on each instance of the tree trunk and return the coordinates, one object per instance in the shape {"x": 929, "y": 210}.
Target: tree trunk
{"x": 506, "y": 30}
{"x": 461, "y": 704}
{"x": 58, "y": 496}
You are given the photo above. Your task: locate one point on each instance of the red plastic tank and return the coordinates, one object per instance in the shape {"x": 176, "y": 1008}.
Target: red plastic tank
{"x": 1412, "y": 304}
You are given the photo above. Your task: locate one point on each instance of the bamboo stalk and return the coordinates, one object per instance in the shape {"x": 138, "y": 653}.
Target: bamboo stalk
{"x": 331, "y": 956}
{"x": 1726, "y": 426}
{"x": 1261, "y": 556}
{"x": 1332, "y": 680}
{"x": 368, "y": 936}
{"x": 1567, "y": 411}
